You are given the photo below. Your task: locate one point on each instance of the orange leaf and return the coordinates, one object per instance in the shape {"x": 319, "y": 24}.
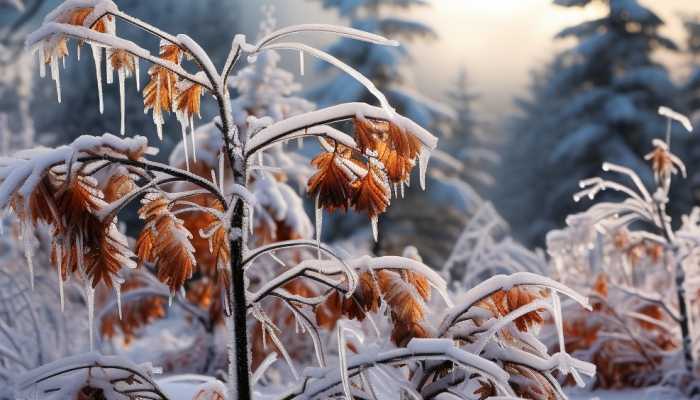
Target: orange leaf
{"x": 398, "y": 167}
{"x": 331, "y": 183}
{"x": 121, "y": 60}
{"x": 117, "y": 187}
{"x": 366, "y": 134}
{"x": 160, "y": 92}
{"x": 371, "y": 193}
{"x": 188, "y": 100}
{"x": 166, "y": 242}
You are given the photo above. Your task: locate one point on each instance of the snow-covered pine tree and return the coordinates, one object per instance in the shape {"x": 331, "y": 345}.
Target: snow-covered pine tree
{"x": 381, "y": 66}
{"x": 595, "y": 102}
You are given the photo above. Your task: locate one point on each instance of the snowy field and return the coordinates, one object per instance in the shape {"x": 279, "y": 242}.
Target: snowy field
{"x": 630, "y": 394}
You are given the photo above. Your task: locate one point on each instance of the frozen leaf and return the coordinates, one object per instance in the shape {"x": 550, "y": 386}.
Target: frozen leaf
{"x": 331, "y": 183}
{"x": 371, "y": 193}
{"x": 165, "y": 242}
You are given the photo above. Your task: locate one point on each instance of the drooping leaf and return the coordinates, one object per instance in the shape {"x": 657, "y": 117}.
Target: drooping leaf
{"x": 165, "y": 242}
{"x": 331, "y": 183}
{"x": 371, "y": 193}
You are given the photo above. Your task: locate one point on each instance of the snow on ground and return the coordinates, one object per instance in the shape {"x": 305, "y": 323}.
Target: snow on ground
{"x": 629, "y": 394}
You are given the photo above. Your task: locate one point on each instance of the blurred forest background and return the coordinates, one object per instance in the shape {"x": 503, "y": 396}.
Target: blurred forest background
{"x": 528, "y": 96}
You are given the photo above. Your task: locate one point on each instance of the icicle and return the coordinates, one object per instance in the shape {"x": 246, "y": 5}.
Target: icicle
{"x": 319, "y": 225}
{"x": 375, "y": 231}
{"x": 121, "y": 75}
{"x": 402, "y": 190}
{"x": 77, "y": 51}
{"x": 260, "y": 158}
{"x": 118, "y": 290}
{"x": 90, "y": 295}
{"x": 395, "y": 188}
{"x": 56, "y": 76}
{"x": 184, "y": 144}
{"x": 251, "y": 220}
{"x": 277, "y": 259}
{"x": 26, "y": 240}
{"x": 264, "y": 337}
{"x": 158, "y": 116}
{"x": 59, "y": 256}
{"x": 221, "y": 172}
{"x": 301, "y": 63}
{"x": 63, "y": 62}
{"x": 136, "y": 73}
{"x": 423, "y": 158}
{"x": 170, "y": 300}
{"x": 42, "y": 64}
{"x": 97, "y": 57}
{"x": 194, "y": 141}
{"x": 110, "y": 70}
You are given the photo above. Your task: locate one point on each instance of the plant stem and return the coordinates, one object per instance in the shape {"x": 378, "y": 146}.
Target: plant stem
{"x": 684, "y": 317}
{"x": 237, "y": 300}
{"x": 684, "y": 320}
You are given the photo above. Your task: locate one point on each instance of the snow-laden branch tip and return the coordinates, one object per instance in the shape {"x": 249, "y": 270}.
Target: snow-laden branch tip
{"x": 506, "y": 282}
{"x": 23, "y": 171}
{"x": 332, "y": 29}
{"x": 293, "y": 125}
{"x": 50, "y": 29}
{"x": 676, "y": 116}
{"x": 339, "y": 64}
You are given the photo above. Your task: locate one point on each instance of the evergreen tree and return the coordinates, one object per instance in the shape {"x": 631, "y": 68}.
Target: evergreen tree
{"x": 692, "y": 27}
{"x": 381, "y": 66}
{"x": 596, "y": 101}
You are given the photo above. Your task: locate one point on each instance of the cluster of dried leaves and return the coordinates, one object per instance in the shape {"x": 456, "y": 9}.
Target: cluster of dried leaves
{"x": 627, "y": 350}
{"x": 361, "y": 180}
{"x": 503, "y": 302}
{"x": 166, "y": 91}
{"x": 637, "y": 251}
{"x": 83, "y": 241}
{"x": 404, "y": 293}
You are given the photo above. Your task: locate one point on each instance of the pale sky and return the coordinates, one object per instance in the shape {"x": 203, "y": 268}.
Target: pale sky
{"x": 499, "y": 42}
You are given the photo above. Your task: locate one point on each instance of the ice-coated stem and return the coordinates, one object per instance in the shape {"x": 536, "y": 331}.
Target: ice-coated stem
{"x": 685, "y": 318}
{"x": 239, "y": 346}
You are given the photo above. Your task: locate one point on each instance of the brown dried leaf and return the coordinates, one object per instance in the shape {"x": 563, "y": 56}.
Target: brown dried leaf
{"x": 187, "y": 101}
{"x": 365, "y": 134}
{"x": 405, "y": 305}
{"x": 160, "y": 92}
{"x": 504, "y": 302}
{"x": 371, "y": 193}
{"x": 403, "y": 142}
{"x": 419, "y": 281}
{"x": 78, "y": 17}
{"x": 166, "y": 242}
{"x": 398, "y": 167}
{"x": 601, "y": 285}
{"x": 122, "y": 60}
{"x": 117, "y": 187}
{"x": 331, "y": 183}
